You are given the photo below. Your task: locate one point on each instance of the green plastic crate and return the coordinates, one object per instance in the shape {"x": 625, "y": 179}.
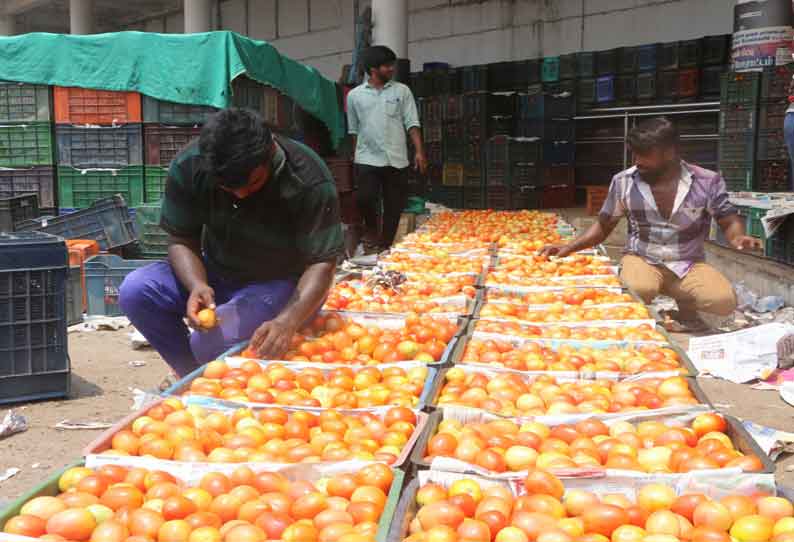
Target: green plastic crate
{"x": 152, "y": 239}
{"x": 24, "y": 102}
{"x": 740, "y": 88}
{"x": 550, "y": 71}
{"x": 154, "y": 183}
{"x": 754, "y": 225}
{"x": 79, "y": 188}
{"x": 26, "y": 145}
{"x": 739, "y": 176}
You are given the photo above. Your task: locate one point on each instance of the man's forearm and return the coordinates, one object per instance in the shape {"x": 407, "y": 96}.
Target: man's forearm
{"x": 185, "y": 259}
{"x": 733, "y": 226}
{"x": 416, "y": 139}
{"x": 594, "y": 235}
{"x": 309, "y": 294}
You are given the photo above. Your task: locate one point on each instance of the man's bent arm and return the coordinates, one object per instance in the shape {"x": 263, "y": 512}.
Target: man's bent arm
{"x": 309, "y": 294}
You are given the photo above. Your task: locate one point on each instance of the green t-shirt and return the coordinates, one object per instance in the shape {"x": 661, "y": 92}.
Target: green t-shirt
{"x": 291, "y": 223}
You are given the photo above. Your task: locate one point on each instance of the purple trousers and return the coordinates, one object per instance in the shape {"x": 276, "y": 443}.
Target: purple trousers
{"x": 155, "y": 302}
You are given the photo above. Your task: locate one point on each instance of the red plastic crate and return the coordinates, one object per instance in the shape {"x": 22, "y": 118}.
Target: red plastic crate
{"x": 558, "y": 197}
{"x": 75, "y": 105}
{"x": 688, "y": 83}
{"x": 163, "y": 143}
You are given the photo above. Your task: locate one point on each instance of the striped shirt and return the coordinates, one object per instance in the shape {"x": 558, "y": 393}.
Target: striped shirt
{"x": 677, "y": 242}
{"x": 275, "y": 233}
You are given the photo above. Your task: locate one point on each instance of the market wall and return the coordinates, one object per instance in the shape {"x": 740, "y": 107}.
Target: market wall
{"x": 463, "y": 32}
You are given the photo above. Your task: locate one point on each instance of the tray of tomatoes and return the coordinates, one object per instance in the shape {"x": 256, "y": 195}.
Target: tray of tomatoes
{"x": 195, "y": 433}
{"x": 481, "y": 443}
{"x": 539, "y": 284}
{"x": 572, "y": 331}
{"x": 261, "y": 383}
{"x": 549, "y": 397}
{"x": 112, "y": 503}
{"x": 559, "y": 313}
{"x": 454, "y": 507}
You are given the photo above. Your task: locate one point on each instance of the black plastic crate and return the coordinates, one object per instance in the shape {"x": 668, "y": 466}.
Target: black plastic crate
{"x": 431, "y": 131}
{"x": 478, "y": 108}
{"x": 453, "y": 107}
{"x": 704, "y": 153}
{"x": 667, "y": 56}
{"x": 524, "y": 173}
{"x": 33, "y": 346}
{"x": 599, "y": 153}
{"x": 740, "y": 88}
{"x": 585, "y": 64}
{"x": 596, "y": 175}
{"x": 473, "y": 175}
{"x": 500, "y": 125}
{"x": 501, "y": 77}
{"x": 558, "y": 152}
{"x": 710, "y": 78}
{"x": 552, "y": 129}
{"x": 557, "y": 197}
{"x": 626, "y": 89}
{"x": 698, "y": 124}
{"x": 524, "y": 196}
{"x": 667, "y": 86}
{"x": 506, "y": 150}
{"x": 772, "y": 115}
{"x": 715, "y": 50}
{"x": 473, "y": 198}
{"x": 538, "y": 104}
{"x": 738, "y": 176}
{"x": 559, "y": 87}
{"x": 25, "y": 102}
{"x": 737, "y": 148}
{"x": 107, "y": 221}
{"x": 474, "y": 78}
{"x": 434, "y": 152}
{"x": 775, "y": 82}
{"x": 420, "y": 84}
{"x": 607, "y": 62}
{"x": 646, "y": 87}
{"x": 164, "y": 112}
{"x": 599, "y": 128}
{"x": 585, "y": 94}
{"x": 689, "y": 54}
{"x": 737, "y": 118}
{"x": 771, "y": 145}
{"x": 557, "y": 175}
{"x": 527, "y": 72}
{"x": 36, "y": 180}
{"x": 16, "y": 210}
{"x": 628, "y": 60}
{"x": 497, "y": 198}
{"x": 431, "y": 109}
{"x": 99, "y": 146}
{"x": 772, "y": 176}
{"x": 568, "y": 67}
{"x": 448, "y": 196}
{"x": 647, "y": 57}
{"x": 688, "y": 84}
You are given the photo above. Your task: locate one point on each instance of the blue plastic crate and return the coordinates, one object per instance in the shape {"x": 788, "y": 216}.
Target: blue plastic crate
{"x": 99, "y": 146}
{"x": 646, "y": 57}
{"x": 605, "y": 89}
{"x": 104, "y": 274}
{"x": 558, "y": 152}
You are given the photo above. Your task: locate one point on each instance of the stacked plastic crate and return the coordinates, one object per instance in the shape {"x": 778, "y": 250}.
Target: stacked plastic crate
{"x": 772, "y": 160}
{"x": 513, "y": 171}
{"x": 26, "y": 144}
{"x": 738, "y": 124}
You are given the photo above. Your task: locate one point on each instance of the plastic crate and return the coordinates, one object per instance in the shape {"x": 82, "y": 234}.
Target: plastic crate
{"x": 715, "y": 50}
{"x": 778, "y": 247}
{"x": 585, "y": 94}
{"x": 667, "y": 86}
{"x": 33, "y": 345}
{"x": 628, "y": 60}
{"x": 473, "y": 198}
{"x": 667, "y": 56}
{"x": 552, "y": 175}
{"x": 75, "y": 105}
{"x": 341, "y": 170}
{"x": 26, "y": 145}
{"x": 108, "y": 222}
{"x": 552, "y": 129}
{"x": 599, "y": 153}
{"x": 738, "y": 176}
{"x": 164, "y": 112}
{"x": 689, "y": 54}
{"x": 80, "y": 188}
{"x": 775, "y": 82}
{"x": 472, "y": 175}
{"x": 17, "y": 209}
{"x": 550, "y": 69}
{"x": 737, "y": 118}
{"x": 497, "y": 197}
{"x": 154, "y": 180}
{"x": 585, "y": 64}
{"x": 772, "y": 176}
{"x": 753, "y": 222}
{"x": 740, "y": 88}
{"x": 74, "y": 296}
{"x": 79, "y": 251}
{"x": 646, "y": 57}
{"x": 688, "y": 84}
{"x": 36, "y": 180}
{"x": 626, "y": 89}
{"x": 452, "y": 150}
{"x": 431, "y": 109}
{"x": 710, "y": 78}
{"x": 475, "y": 78}
{"x": 567, "y": 67}
{"x": 772, "y": 115}
{"x": 646, "y": 87}
{"x": 248, "y": 94}
{"x": 771, "y": 145}
{"x": 99, "y": 146}
{"x": 152, "y": 239}
{"x": 434, "y": 153}
{"x": 448, "y": 196}
{"x": 500, "y": 125}
{"x": 596, "y": 196}
{"x": 104, "y": 274}
{"x": 452, "y": 174}
{"x": 607, "y": 62}
{"x": 738, "y": 147}
{"x": 24, "y": 102}
{"x": 538, "y": 104}
{"x": 524, "y": 174}
{"x": 453, "y": 108}
{"x": 524, "y": 196}
{"x": 701, "y": 152}
{"x": 431, "y": 132}
{"x": 532, "y": 69}
{"x": 596, "y": 174}
{"x": 558, "y": 152}
{"x": 605, "y": 89}
{"x": 163, "y": 143}
{"x": 557, "y": 197}
{"x": 501, "y": 76}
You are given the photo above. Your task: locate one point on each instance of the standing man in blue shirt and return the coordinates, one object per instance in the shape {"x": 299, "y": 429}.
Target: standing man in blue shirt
{"x": 379, "y": 112}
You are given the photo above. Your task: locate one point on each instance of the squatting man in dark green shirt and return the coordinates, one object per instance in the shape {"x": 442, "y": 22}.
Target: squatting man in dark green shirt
{"x": 254, "y": 233}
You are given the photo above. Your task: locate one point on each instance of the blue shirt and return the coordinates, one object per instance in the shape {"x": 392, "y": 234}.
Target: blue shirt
{"x": 380, "y": 118}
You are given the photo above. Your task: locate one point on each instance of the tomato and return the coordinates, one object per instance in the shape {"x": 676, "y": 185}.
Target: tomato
{"x": 26, "y": 525}
{"x": 604, "y": 518}
{"x": 72, "y": 524}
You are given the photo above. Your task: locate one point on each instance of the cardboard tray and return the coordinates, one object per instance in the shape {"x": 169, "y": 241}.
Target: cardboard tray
{"x": 49, "y": 487}
{"x": 738, "y": 434}
{"x": 102, "y": 442}
{"x": 183, "y": 384}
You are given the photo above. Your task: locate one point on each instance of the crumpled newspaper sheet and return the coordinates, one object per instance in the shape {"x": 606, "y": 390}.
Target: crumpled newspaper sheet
{"x": 12, "y": 423}
{"x": 772, "y": 441}
{"x": 741, "y": 356}
{"x": 101, "y": 323}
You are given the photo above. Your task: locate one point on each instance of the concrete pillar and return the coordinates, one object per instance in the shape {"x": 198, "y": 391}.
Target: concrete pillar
{"x": 81, "y": 16}
{"x": 198, "y": 16}
{"x": 390, "y": 25}
{"x": 8, "y": 25}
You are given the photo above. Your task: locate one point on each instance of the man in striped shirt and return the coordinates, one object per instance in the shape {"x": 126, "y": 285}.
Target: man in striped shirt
{"x": 669, "y": 205}
{"x": 254, "y": 228}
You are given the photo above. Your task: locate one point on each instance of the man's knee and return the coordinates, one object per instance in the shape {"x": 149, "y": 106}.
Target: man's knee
{"x": 138, "y": 289}
{"x": 721, "y": 302}
{"x": 644, "y": 288}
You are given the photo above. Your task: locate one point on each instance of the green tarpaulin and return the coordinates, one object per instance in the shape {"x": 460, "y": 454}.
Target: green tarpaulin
{"x": 185, "y": 68}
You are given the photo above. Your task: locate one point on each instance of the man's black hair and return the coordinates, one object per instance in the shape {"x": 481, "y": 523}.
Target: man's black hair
{"x": 376, "y": 56}
{"x": 657, "y": 132}
{"x": 233, "y": 143}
